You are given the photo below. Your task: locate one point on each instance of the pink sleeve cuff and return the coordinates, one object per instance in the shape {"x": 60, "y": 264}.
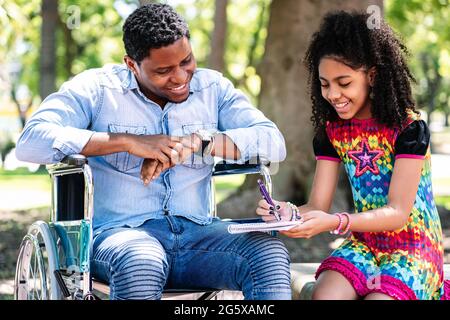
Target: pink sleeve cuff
{"x": 328, "y": 158}
{"x": 409, "y": 156}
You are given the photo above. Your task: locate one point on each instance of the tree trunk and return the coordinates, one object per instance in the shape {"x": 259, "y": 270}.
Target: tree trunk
{"x": 47, "y": 80}
{"x": 216, "y": 59}
{"x": 285, "y": 100}
{"x": 71, "y": 49}
{"x": 22, "y": 106}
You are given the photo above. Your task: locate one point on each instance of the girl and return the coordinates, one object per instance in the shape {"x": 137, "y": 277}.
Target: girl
{"x": 365, "y": 117}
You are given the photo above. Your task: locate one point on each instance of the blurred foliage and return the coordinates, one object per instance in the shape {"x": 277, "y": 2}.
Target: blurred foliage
{"x": 90, "y": 35}
{"x": 425, "y": 28}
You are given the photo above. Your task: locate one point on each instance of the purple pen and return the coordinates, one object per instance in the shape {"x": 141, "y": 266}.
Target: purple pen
{"x": 266, "y": 196}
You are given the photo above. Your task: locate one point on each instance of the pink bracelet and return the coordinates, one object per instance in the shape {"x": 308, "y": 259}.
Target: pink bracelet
{"x": 347, "y": 228}
{"x": 341, "y": 221}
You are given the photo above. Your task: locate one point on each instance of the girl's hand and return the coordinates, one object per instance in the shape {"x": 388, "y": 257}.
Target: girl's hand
{"x": 267, "y": 212}
{"x": 314, "y": 222}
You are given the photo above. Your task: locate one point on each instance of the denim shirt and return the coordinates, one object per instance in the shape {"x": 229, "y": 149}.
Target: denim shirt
{"x": 108, "y": 99}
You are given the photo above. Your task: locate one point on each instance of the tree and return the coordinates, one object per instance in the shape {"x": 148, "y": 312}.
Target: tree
{"x": 47, "y": 71}
{"x": 285, "y": 100}
{"x": 85, "y": 35}
{"x": 217, "y": 55}
{"x": 428, "y": 42}
{"x": 13, "y": 19}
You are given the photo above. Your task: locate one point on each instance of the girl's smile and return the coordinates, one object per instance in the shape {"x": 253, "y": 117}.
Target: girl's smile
{"x": 341, "y": 107}
{"x": 346, "y": 89}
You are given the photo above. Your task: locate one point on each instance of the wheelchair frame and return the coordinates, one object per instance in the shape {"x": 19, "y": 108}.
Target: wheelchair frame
{"x": 54, "y": 258}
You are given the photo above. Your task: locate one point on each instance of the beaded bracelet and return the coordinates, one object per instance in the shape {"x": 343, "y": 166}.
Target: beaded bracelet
{"x": 295, "y": 213}
{"x": 347, "y": 228}
{"x": 341, "y": 221}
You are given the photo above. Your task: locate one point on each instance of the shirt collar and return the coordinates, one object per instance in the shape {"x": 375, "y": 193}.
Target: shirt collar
{"x": 129, "y": 82}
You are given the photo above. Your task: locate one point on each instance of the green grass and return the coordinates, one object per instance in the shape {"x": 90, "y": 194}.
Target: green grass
{"x": 225, "y": 185}
{"x": 26, "y": 184}
{"x": 23, "y": 190}
{"x": 442, "y": 184}
{"x": 22, "y": 181}
{"x": 443, "y": 201}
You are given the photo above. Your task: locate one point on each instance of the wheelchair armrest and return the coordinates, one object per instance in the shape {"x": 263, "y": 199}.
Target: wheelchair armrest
{"x": 72, "y": 162}
{"x": 75, "y": 160}
{"x": 250, "y": 167}
{"x": 223, "y": 168}
{"x": 72, "y": 189}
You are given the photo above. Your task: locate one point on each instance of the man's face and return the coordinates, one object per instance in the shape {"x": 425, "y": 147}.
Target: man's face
{"x": 164, "y": 75}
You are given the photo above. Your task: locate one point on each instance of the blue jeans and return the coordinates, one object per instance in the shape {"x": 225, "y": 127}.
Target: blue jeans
{"x": 175, "y": 252}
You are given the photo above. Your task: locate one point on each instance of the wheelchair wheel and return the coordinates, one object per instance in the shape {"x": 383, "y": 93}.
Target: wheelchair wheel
{"x": 37, "y": 261}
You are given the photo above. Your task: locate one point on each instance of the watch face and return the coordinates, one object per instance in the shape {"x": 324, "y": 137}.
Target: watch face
{"x": 204, "y": 134}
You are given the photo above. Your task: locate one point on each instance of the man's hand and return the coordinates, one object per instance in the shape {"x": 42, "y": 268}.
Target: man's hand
{"x": 192, "y": 142}
{"x": 152, "y": 168}
{"x": 166, "y": 149}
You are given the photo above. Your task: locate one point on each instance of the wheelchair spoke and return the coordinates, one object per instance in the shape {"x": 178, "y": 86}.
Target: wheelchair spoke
{"x": 34, "y": 273}
{"x": 31, "y": 271}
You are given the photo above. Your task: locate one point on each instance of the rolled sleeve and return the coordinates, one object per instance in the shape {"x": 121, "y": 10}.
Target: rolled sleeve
{"x": 59, "y": 127}
{"x": 256, "y": 142}
{"x": 70, "y": 141}
{"x": 252, "y": 133}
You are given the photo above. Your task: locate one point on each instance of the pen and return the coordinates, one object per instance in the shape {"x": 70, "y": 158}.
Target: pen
{"x": 266, "y": 196}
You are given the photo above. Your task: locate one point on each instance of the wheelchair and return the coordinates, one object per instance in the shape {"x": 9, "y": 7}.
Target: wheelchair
{"x": 54, "y": 257}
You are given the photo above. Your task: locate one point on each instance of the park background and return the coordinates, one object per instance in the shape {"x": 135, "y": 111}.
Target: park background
{"x": 258, "y": 44}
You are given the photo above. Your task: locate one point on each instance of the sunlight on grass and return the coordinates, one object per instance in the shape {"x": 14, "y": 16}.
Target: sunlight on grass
{"x": 441, "y": 191}
{"x": 443, "y": 201}
{"x": 21, "y": 190}
{"x": 441, "y": 182}
{"x": 225, "y": 185}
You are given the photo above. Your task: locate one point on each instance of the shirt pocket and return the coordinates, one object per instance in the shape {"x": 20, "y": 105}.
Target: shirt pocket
{"x": 123, "y": 161}
{"x": 195, "y": 161}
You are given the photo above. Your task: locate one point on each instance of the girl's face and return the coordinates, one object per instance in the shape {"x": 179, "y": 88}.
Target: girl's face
{"x": 346, "y": 89}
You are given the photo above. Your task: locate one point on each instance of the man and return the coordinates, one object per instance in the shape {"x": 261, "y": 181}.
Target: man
{"x": 159, "y": 107}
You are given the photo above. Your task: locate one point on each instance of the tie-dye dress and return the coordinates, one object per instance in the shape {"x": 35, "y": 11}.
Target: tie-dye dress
{"x": 405, "y": 263}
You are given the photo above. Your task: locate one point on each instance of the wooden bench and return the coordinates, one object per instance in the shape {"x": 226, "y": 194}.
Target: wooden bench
{"x": 302, "y": 279}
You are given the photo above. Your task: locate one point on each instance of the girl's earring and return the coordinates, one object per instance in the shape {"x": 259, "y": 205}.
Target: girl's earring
{"x": 371, "y": 95}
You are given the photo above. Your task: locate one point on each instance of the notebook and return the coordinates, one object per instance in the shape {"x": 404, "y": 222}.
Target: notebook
{"x": 262, "y": 226}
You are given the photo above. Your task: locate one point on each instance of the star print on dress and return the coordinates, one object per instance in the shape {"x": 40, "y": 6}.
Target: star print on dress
{"x": 366, "y": 159}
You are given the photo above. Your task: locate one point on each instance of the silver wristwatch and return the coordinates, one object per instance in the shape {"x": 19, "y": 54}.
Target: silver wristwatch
{"x": 207, "y": 141}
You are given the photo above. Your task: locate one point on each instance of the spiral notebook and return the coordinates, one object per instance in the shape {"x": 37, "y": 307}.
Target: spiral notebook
{"x": 262, "y": 226}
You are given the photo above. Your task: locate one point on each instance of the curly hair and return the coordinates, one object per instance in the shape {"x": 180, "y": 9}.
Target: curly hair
{"x": 152, "y": 26}
{"x": 346, "y": 37}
